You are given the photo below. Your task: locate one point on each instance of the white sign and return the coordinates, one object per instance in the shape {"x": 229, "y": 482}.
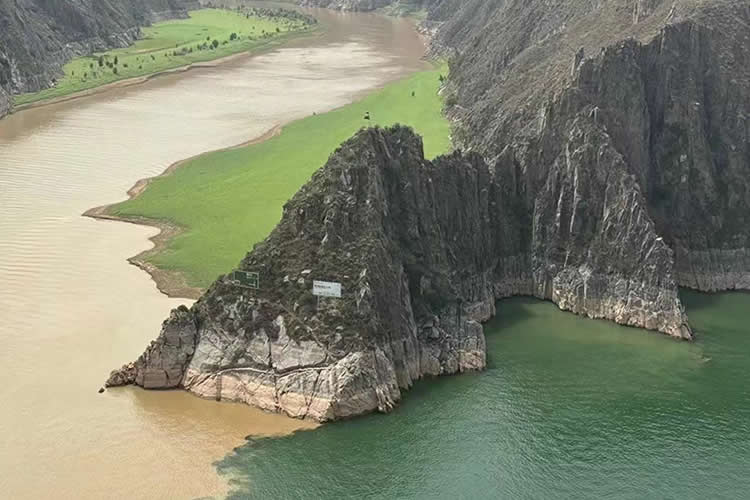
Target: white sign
{"x": 326, "y": 289}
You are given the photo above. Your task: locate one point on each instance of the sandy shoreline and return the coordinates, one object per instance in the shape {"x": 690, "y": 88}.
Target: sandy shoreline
{"x": 171, "y": 283}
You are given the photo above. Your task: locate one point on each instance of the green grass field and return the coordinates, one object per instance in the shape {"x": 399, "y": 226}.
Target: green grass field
{"x": 227, "y": 201}
{"x": 208, "y": 34}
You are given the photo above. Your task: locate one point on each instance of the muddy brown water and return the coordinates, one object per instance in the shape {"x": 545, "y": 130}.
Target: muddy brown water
{"x": 72, "y": 308}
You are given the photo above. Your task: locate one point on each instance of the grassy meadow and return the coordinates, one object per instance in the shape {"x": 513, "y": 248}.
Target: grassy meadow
{"x": 206, "y": 35}
{"x": 227, "y": 201}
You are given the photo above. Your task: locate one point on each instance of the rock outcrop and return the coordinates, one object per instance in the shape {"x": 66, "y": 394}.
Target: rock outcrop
{"x": 422, "y": 250}
{"x": 412, "y": 244}
{"x": 38, "y": 37}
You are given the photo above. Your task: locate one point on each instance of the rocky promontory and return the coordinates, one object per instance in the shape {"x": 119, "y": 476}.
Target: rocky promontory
{"x": 422, "y": 250}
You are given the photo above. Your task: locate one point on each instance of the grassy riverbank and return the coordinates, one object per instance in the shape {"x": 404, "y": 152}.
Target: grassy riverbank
{"x": 227, "y": 201}
{"x": 208, "y": 34}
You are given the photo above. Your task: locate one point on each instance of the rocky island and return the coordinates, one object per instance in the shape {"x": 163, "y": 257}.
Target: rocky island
{"x": 605, "y": 162}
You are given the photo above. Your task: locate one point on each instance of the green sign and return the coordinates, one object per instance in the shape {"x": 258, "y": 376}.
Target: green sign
{"x": 246, "y": 279}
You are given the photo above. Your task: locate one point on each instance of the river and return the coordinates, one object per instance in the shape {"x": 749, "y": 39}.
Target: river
{"x": 568, "y": 408}
{"x": 72, "y": 307}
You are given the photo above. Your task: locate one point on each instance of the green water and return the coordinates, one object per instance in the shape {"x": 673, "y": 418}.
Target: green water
{"x": 568, "y": 408}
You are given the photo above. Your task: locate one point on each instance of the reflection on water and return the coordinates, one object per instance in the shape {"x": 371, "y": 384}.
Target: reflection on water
{"x": 73, "y": 309}
{"x": 568, "y": 408}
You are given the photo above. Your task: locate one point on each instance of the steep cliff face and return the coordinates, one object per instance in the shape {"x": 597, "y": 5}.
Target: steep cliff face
{"x": 410, "y": 241}
{"x": 38, "y": 37}
{"x": 669, "y": 87}
{"x": 422, "y": 250}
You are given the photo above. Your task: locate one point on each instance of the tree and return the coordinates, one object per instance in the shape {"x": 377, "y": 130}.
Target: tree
{"x": 215, "y": 43}
{"x": 117, "y": 61}
{"x": 114, "y": 70}
{"x": 101, "y": 61}
{"x": 233, "y": 36}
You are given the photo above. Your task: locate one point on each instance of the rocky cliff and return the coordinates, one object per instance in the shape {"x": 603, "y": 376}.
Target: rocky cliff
{"x": 37, "y": 37}
{"x": 668, "y": 84}
{"x": 422, "y": 250}
{"x": 412, "y": 244}
{"x": 606, "y": 162}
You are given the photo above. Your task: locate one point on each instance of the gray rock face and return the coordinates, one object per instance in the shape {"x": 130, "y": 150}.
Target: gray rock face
{"x": 163, "y": 363}
{"x": 422, "y": 250}
{"x": 668, "y": 88}
{"x": 38, "y": 37}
